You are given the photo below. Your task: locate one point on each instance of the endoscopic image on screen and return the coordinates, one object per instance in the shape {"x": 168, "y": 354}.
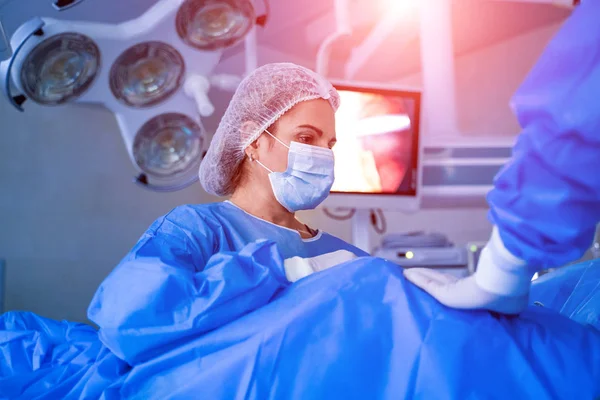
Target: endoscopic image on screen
{"x": 374, "y": 152}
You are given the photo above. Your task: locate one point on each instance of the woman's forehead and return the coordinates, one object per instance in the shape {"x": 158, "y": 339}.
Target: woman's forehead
{"x": 317, "y": 113}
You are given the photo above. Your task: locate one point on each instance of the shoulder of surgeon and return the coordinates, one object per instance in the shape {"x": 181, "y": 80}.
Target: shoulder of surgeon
{"x": 186, "y": 226}
{"x": 187, "y": 231}
{"x": 190, "y": 219}
{"x": 339, "y": 244}
{"x": 187, "y": 236}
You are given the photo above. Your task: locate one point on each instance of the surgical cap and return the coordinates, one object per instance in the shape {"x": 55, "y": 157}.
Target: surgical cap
{"x": 261, "y": 99}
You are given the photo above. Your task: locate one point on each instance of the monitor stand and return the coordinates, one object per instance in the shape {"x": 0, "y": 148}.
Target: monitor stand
{"x": 361, "y": 221}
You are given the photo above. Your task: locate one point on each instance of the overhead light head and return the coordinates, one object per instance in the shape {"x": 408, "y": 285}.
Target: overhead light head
{"x": 146, "y": 74}
{"x": 60, "y": 68}
{"x": 168, "y": 148}
{"x": 214, "y": 24}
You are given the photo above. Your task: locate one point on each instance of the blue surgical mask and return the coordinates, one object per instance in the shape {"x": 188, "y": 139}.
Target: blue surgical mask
{"x": 308, "y": 179}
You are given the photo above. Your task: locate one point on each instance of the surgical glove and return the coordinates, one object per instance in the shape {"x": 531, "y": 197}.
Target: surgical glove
{"x": 298, "y": 267}
{"x": 501, "y": 282}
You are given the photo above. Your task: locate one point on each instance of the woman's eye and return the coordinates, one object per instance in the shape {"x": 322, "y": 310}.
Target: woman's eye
{"x": 305, "y": 139}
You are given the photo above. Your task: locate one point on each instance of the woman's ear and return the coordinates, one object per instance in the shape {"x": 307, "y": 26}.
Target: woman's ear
{"x": 249, "y": 128}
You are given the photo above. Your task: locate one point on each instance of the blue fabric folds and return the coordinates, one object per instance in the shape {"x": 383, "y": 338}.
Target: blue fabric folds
{"x": 355, "y": 331}
{"x": 164, "y": 305}
{"x": 42, "y": 358}
{"x": 545, "y": 200}
{"x": 573, "y": 291}
{"x": 194, "y": 269}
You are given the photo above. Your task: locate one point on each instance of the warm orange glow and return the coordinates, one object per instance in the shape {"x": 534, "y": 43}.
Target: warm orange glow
{"x": 405, "y": 8}
{"x": 374, "y": 141}
{"x": 354, "y": 168}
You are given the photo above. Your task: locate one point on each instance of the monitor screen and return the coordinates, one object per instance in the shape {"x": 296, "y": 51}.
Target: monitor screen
{"x": 378, "y": 141}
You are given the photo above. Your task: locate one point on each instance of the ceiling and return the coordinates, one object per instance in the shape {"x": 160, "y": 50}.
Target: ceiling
{"x": 296, "y": 28}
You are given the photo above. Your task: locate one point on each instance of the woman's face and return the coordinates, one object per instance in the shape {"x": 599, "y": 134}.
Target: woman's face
{"x": 309, "y": 122}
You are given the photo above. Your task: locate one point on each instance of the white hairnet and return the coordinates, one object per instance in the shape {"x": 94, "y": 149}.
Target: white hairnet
{"x": 260, "y": 100}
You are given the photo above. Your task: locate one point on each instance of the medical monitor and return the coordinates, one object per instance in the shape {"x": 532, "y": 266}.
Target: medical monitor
{"x": 377, "y": 155}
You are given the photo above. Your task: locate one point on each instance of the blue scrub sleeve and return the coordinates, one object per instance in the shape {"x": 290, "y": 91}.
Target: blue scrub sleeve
{"x": 168, "y": 290}
{"x": 546, "y": 200}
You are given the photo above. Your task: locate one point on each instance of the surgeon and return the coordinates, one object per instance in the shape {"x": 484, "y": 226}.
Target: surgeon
{"x": 545, "y": 203}
{"x": 201, "y": 266}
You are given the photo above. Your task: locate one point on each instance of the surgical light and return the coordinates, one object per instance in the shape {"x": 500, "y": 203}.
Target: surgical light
{"x": 214, "y": 24}
{"x": 146, "y": 74}
{"x": 169, "y": 146}
{"x": 60, "y": 68}
{"x": 137, "y": 69}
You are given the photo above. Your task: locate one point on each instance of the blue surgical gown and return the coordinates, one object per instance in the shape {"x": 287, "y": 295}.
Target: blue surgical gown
{"x": 546, "y": 201}
{"x": 354, "y": 331}
{"x": 572, "y": 291}
{"x": 182, "y": 278}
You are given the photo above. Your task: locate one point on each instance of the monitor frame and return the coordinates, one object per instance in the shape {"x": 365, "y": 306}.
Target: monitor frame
{"x": 407, "y": 202}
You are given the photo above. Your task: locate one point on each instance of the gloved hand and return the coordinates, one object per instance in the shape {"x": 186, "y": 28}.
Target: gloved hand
{"x": 501, "y": 282}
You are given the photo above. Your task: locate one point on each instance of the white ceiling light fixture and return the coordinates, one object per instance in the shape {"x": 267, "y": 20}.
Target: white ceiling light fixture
{"x": 343, "y": 28}
{"x": 214, "y": 24}
{"x": 62, "y": 5}
{"x": 146, "y": 74}
{"x": 138, "y": 70}
{"x": 168, "y": 145}
{"x": 5, "y": 50}
{"x": 60, "y": 68}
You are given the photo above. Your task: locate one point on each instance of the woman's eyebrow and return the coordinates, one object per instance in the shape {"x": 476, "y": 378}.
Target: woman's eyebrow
{"x": 314, "y": 128}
